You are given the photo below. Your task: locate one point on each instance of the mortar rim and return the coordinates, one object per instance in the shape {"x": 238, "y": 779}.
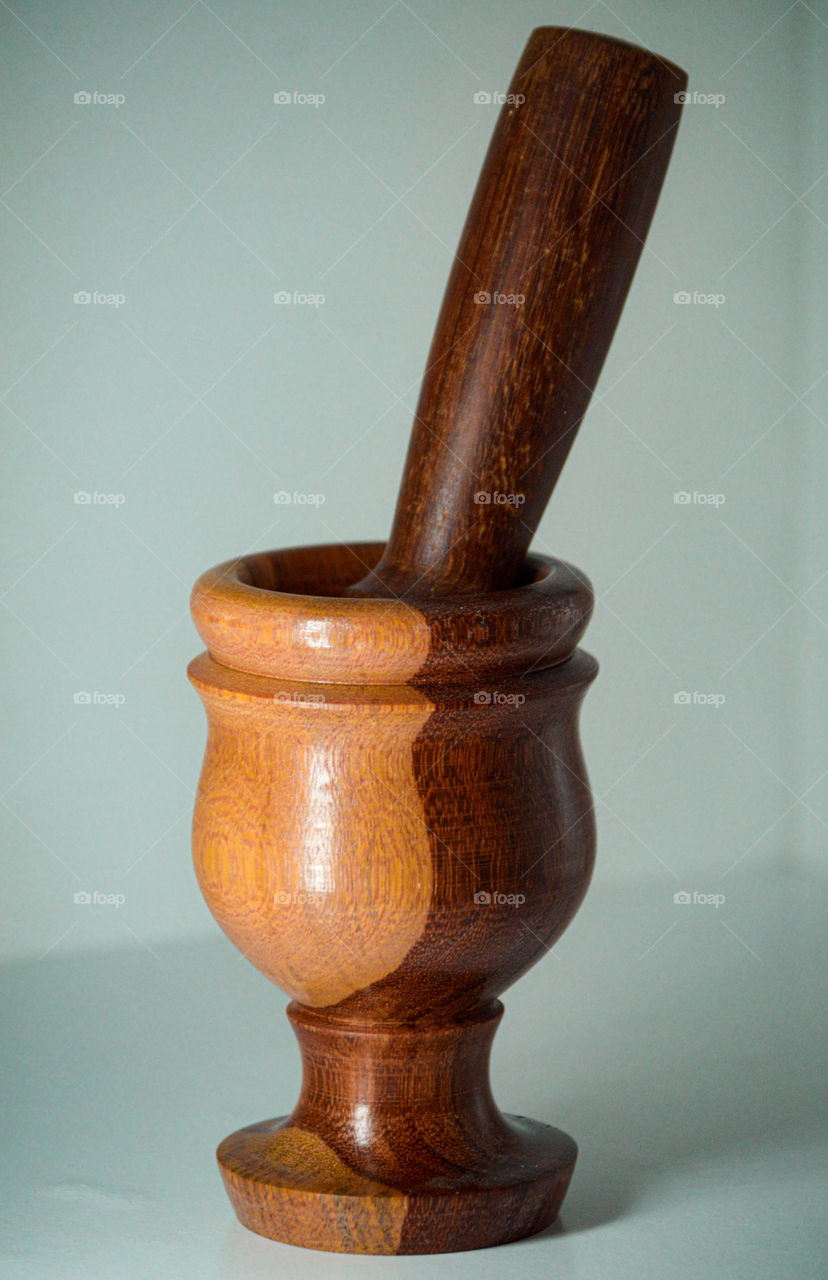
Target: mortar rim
{"x": 251, "y": 624}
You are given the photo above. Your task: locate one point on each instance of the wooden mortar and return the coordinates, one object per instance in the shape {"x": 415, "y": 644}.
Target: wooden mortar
{"x": 393, "y": 823}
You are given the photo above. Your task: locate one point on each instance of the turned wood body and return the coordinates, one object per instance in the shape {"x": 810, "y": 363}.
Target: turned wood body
{"x": 392, "y": 853}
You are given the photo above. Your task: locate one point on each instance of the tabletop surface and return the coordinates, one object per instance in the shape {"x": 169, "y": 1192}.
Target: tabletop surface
{"x": 682, "y": 1045}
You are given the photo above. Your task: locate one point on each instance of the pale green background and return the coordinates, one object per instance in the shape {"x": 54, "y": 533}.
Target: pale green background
{"x": 196, "y": 399}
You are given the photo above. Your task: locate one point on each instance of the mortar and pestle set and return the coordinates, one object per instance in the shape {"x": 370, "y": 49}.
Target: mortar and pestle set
{"x": 393, "y": 820}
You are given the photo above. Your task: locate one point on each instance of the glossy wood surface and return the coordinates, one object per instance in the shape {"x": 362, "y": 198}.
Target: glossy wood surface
{"x": 393, "y": 819}
{"x": 289, "y": 611}
{"x": 411, "y": 1106}
{"x": 558, "y": 221}
{"x": 393, "y": 856}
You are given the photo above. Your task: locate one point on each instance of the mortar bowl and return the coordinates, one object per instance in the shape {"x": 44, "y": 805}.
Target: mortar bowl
{"x": 393, "y": 823}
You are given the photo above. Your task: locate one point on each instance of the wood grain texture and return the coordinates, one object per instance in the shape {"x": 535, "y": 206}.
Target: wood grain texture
{"x": 327, "y": 890}
{"x": 558, "y": 222}
{"x": 393, "y": 820}
{"x": 414, "y": 1106}
{"x": 266, "y": 612}
{"x": 393, "y": 856}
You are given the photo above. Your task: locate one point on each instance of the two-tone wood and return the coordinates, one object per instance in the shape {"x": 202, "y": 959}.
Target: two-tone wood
{"x": 393, "y": 819}
{"x": 393, "y": 853}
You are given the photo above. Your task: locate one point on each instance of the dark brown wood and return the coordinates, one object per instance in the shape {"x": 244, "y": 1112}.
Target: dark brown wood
{"x": 446, "y": 1170}
{"x": 558, "y": 219}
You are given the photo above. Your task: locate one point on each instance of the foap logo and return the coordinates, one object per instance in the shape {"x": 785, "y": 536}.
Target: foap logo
{"x": 494, "y": 498}
{"x": 283, "y": 498}
{"x": 485, "y": 99}
{"x": 284, "y": 298}
{"x": 83, "y": 298}
{"x": 299, "y": 898}
{"x": 485, "y": 898}
{"x": 83, "y": 498}
{"x": 292, "y": 698}
{"x": 494, "y": 698}
{"x": 84, "y": 698}
{"x": 699, "y": 99}
{"x": 684, "y": 298}
{"x": 297, "y": 98}
{"x": 95, "y": 98}
{"x": 696, "y": 899}
{"x": 496, "y": 299}
{"x": 85, "y": 898}
{"x": 698, "y": 699}
{"x": 695, "y": 499}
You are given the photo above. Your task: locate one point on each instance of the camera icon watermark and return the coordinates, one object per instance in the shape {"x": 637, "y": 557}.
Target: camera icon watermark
{"x": 695, "y": 499}
{"x": 83, "y": 298}
{"x": 294, "y": 698}
{"x": 698, "y": 99}
{"x": 495, "y": 698}
{"x": 94, "y": 98}
{"x": 83, "y": 698}
{"x": 497, "y": 299}
{"x": 696, "y": 899}
{"x": 485, "y": 898}
{"x": 83, "y": 498}
{"x": 286, "y": 298}
{"x": 297, "y": 98}
{"x": 483, "y": 98}
{"x": 284, "y": 498}
{"x": 698, "y": 699}
{"x": 684, "y": 298}
{"x": 301, "y": 898}
{"x": 494, "y": 498}
{"x": 83, "y": 898}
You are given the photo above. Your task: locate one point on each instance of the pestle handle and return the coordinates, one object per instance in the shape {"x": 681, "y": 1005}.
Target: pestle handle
{"x": 559, "y": 218}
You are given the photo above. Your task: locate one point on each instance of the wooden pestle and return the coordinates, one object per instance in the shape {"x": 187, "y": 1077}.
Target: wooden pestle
{"x": 547, "y": 255}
